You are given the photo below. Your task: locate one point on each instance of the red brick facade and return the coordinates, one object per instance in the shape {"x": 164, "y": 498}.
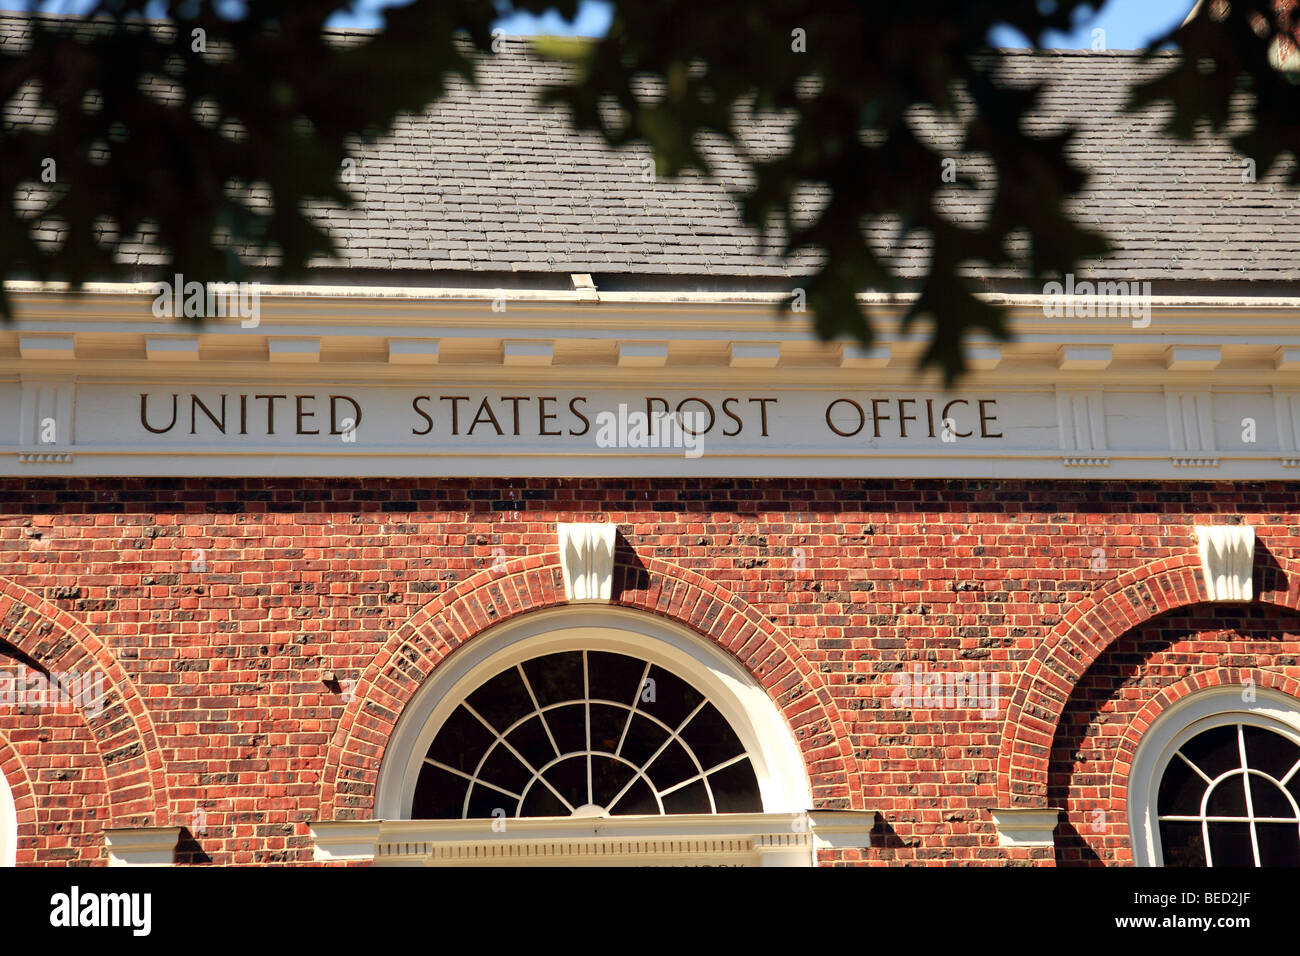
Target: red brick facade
{"x": 229, "y": 616}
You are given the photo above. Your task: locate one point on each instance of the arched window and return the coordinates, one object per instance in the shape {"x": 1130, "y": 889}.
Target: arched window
{"x": 585, "y": 733}
{"x": 1216, "y": 782}
{"x": 1228, "y": 797}
{"x": 584, "y": 712}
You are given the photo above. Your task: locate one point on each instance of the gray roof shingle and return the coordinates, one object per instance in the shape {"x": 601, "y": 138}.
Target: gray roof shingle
{"x": 486, "y": 182}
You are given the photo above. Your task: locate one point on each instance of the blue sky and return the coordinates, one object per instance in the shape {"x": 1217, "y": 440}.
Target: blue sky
{"x": 1129, "y": 24}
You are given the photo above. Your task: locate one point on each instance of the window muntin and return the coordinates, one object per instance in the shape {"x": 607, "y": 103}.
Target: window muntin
{"x": 1229, "y": 795}
{"x": 584, "y": 733}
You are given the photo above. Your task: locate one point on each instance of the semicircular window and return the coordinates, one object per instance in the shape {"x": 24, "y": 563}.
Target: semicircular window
{"x": 584, "y": 733}
{"x": 1230, "y": 796}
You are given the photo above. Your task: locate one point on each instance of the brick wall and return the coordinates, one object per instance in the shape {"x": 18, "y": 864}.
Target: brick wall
{"x": 1157, "y": 663}
{"x": 216, "y": 608}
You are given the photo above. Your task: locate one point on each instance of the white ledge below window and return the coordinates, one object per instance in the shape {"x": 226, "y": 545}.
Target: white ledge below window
{"x": 1022, "y": 826}
{"x": 142, "y": 846}
{"x": 726, "y": 839}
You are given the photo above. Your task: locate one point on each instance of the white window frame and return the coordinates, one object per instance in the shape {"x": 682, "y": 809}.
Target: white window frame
{"x": 767, "y": 738}
{"x": 1194, "y": 714}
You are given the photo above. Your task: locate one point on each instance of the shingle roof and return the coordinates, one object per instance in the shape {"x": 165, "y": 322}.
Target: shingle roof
{"x": 486, "y": 182}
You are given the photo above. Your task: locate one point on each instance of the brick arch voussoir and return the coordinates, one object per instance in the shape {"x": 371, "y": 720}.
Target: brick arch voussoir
{"x": 1083, "y": 634}
{"x": 491, "y": 597}
{"x": 123, "y": 730}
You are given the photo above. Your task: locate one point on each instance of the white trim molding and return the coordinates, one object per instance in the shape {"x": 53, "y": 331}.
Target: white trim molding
{"x": 1227, "y": 561}
{"x": 735, "y": 839}
{"x": 1023, "y": 826}
{"x": 587, "y": 560}
{"x": 1194, "y": 714}
{"x": 142, "y": 846}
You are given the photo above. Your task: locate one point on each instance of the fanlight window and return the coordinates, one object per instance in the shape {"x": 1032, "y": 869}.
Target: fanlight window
{"x": 584, "y": 733}
{"x": 1230, "y": 796}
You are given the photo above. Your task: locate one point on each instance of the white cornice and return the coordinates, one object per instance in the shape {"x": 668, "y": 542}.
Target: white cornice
{"x": 386, "y": 334}
{"x": 326, "y": 302}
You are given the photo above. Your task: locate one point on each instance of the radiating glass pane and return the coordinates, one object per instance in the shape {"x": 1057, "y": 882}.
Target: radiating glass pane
{"x": 674, "y": 699}
{"x": 671, "y": 767}
{"x": 502, "y": 700}
{"x": 692, "y": 798}
{"x": 608, "y": 778}
{"x": 439, "y": 795}
{"x": 1182, "y": 844}
{"x": 540, "y": 802}
{"x": 1279, "y": 844}
{"x": 1181, "y": 789}
{"x": 569, "y": 777}
{"x": 1228, "y": 798}
{"x": 1270, "y": 752}
{"x": 1268, "y": 800}
{"x": 484, "y": 802}
{"x": 569, "y": 726}
{"x": 607, "y": 726}
{"x": 461, "y": 741}
{"x": 530, "y": 739}
{"x": 503, "y": 769}
{"x": 556, "y": 677}
{"x": 615, "y": 677}
{"x": 644, "y": 737}
{"x": 639, "y": 800}
{"x": 1215, "y": 751}
{"x": 1230, "y": 844}
{"x": 735, "y": 789}
{"x": 711, "y": 738}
